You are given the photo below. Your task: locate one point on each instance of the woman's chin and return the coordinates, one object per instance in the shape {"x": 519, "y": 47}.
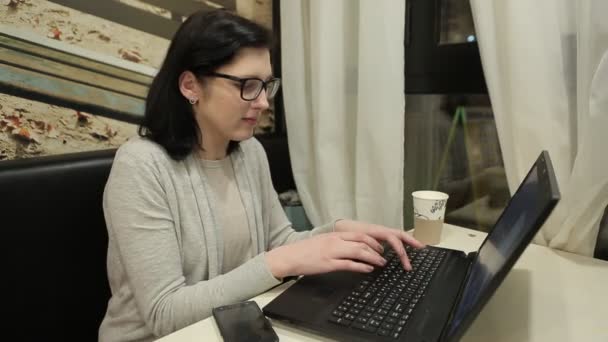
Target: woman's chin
{"x": 243, "y": 135}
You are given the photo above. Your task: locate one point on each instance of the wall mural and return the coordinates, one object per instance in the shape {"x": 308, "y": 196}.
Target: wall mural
{"x": 73, "y": 77}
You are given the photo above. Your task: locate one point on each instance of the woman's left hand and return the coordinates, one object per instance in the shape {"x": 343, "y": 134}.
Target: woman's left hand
{"x": 395, "y": 237}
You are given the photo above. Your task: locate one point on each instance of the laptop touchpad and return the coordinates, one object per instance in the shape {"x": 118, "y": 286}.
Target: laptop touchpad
{"x": 313, "y": 295}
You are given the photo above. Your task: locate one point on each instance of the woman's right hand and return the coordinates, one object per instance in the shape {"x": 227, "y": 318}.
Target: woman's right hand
{"x": 337, "y": 251}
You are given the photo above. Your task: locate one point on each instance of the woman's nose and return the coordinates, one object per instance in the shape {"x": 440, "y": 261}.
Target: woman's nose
{"x": 261, "y": 101}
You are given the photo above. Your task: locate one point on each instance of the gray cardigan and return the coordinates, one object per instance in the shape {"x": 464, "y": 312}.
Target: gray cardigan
{"x": 165, "y": 253}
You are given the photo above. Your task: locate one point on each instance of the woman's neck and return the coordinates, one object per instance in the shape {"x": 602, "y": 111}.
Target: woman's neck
{"x": 213, "y": 149}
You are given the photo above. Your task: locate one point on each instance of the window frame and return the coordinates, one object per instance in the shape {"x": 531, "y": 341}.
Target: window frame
{"x": 431, "y": 68}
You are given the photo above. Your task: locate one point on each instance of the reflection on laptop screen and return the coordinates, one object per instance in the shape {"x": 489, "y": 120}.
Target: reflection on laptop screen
{"x": 518, "y": 219}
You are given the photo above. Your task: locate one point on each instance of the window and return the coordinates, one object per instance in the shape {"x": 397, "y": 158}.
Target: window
{"x": 441, "y": 53}
{"x": 451, "y": 142}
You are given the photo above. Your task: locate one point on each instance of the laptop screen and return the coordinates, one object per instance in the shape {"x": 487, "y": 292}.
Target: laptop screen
{"x": 526, "y": 211}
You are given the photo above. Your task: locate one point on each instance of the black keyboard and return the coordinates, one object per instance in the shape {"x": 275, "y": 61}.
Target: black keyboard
{"x": 384, "y": 301}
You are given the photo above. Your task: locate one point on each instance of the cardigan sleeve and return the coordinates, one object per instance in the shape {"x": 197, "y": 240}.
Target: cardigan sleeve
{"x": 281, "y": 231}
{"x": 143, "y": 233}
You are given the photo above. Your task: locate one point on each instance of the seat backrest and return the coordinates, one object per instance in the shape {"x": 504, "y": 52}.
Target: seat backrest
{"x": 601, "y": 244}
{"x": 55, "y": 240}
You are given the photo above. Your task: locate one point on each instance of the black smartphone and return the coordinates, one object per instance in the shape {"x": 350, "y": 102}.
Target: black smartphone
{"x": 244, "y": 322}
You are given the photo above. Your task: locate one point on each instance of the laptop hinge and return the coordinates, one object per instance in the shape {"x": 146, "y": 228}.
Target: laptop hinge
{"x": 470, "y": 259}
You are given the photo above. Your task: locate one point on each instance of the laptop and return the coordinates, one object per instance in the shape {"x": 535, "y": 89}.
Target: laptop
{"x": 436, "y": 301}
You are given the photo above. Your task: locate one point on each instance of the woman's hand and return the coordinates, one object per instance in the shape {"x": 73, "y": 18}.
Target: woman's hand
{"x": 395, "y": 237}
{"x": 337, "y": 251}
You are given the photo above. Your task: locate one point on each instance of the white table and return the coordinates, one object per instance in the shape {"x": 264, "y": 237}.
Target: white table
{"x": 548, "y": 296}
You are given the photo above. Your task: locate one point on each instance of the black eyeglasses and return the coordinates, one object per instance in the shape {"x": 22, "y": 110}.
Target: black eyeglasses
{"x": 251, "y": 87}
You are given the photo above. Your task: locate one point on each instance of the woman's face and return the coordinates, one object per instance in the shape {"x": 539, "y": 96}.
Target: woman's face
{"x": 221, "y": 112}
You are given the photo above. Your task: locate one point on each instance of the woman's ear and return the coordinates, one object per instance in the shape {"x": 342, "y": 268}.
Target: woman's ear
{"x": 190, "y": 87}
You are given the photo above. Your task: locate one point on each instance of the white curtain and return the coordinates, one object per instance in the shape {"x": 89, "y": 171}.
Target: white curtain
{"x": 342, "y": 69}
{"x": 546, "y": 66}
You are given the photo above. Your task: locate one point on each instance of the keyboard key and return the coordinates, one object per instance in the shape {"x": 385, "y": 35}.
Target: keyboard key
{"x": 373, "y": 323}
{"x": 370, "y": 328}
{"x": 391, "y": 320}
{"x": 386, "y": 306}
{"x": 378, "y": 317}
{"x": 341, "y": 321}
{"x": 354, "y": 312}
{"x": 360, "y": 288}
{"x": 358, "y": 325}
{"x": 386, "y": 326}
{"x": 370, "y": 308}
{"x": 383, "y": 332}
{"x": 364, "y": 327}
{"x": 362, "y": 319}
{"x": 375, "y": 302}
{"x": 349, "y": 317}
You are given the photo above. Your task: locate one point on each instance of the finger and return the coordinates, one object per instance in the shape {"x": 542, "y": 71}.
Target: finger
{"x": 363, "y": 252}
{"x": 383, "y": 233}
{"x": 350, "y": 265}
{"x": 365, "y": 238}
{"x": 410, "y": 240}
{"x": 397, "y": 246}
{"x": 359, "y": 251}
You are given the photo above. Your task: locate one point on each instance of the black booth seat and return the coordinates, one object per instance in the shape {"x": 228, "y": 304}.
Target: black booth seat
{"x": 55, "y": 244}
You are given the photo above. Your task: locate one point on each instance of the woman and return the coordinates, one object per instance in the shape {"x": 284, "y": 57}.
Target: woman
{"x": 193, "y": 220}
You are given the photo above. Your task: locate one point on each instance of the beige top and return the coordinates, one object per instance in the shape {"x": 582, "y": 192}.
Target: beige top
{"x": 230, "y": 211}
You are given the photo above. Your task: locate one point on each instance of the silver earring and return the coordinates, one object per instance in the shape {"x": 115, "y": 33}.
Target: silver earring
{"x": 192, "y": 101}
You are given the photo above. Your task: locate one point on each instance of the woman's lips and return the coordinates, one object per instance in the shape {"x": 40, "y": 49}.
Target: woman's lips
{"x": 251, "y": 121}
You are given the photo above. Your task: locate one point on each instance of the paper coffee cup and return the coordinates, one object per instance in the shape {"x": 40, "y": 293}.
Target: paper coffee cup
{"x": 429, "y": 212}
